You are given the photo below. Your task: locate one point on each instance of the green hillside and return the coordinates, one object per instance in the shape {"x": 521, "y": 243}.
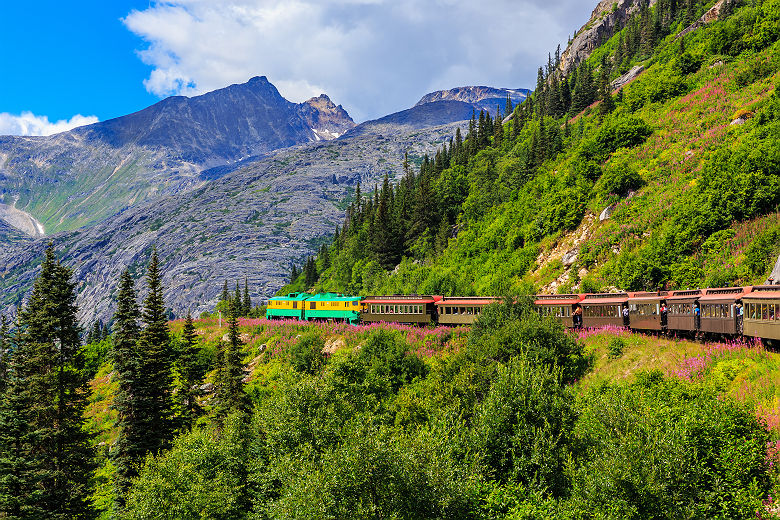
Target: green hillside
{"x": 694, "y": 197}
{"x": 394, "y": 421}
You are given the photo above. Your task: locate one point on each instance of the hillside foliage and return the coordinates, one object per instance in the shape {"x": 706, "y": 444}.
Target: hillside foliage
{"x": 684, "y": 185}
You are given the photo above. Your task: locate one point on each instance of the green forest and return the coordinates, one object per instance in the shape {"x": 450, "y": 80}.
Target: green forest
{"x": 242, "y": 418}
{"x": 259, "y": 419}
{"x": 690, "y": 193}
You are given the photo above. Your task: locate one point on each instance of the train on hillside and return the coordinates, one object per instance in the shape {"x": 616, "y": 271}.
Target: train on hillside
{"x": 728, "y": 311}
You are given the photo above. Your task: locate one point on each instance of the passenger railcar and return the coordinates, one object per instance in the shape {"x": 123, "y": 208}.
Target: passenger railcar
{"x": 333, "y": 306}
{"x": 399, "y": 309}
{"x": 559, "y": 306}
{"x": 290, "y": 306}
{"x": 718, "y": 311}
{"x": 681, "y": 310}
{"x": 461, "y": 310}
{"x": 761, "y": 316}
{"x": 602, "y": 309}
{"x": 645, "y": 310}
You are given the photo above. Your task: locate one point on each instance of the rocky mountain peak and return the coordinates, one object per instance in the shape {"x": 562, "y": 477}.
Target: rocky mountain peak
{"x": 606, "y": 19}
{"x": 481, "y": 97}
{"x": 326, "y": 119}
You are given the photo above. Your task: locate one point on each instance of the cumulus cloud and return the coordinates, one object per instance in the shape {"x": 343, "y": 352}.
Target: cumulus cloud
{"x": 29, "y": 124}
{"x": 373, "y": 56}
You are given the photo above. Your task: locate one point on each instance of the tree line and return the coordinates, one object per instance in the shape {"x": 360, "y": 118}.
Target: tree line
{"x": 47, "y": 455}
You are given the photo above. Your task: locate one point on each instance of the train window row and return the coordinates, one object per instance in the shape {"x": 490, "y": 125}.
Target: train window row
{"x": 601, "y": 311}
{"x": 461, "y": 310}
{"x": 558, "y": 312}
{"x": 645, "y": 309}
{"x": 681, "y": 308}
{"x": 762, "y": 311}
{"x": 322, "y": 305}
{"x": 396, "y": 309}
{"x": 717, "y": 310}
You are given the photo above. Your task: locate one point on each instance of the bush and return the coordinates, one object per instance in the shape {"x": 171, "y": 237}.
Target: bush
{"x": 618, "y": 178}
{"x": 306, "y": 353}
{"x": 665, "y": 449}
{"x": 616, "y": 347}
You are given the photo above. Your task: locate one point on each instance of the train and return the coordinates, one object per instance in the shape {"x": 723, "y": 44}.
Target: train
{"x": 752, "y": 311}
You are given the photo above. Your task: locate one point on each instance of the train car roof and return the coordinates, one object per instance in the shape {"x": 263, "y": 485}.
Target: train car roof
{"x": 605, "y": 298}
{"x": 648, "y": 296}
{"x": 333, "y": 297}
{"x": 558, "y": 299}
{"x": 686, "y": 295}
{"x": 402, "y": 299}
{"x": 723, "y": 294}
{"x": 760, "y": 292}
{"x": 467, "y": 300}
{"x": 292, "y": 297}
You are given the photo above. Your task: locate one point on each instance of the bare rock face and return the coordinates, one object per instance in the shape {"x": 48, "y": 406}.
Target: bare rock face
{"x": 606, "y": 19}
{"x": 713, "y": 14}
{"x": 775, "y": 274}
{"x": 627, "y": 78}
{"x": 326, "y": 120}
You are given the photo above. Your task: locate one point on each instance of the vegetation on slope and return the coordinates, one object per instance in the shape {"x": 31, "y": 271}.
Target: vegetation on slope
{"x": 404, "y": 422}
{"x": 689, "y": 191}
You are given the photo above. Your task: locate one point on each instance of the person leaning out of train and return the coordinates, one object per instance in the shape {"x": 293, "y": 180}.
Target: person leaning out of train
{"x": 625, "y": 316}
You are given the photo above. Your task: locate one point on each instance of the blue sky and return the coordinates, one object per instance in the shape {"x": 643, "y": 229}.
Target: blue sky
{"x": 64, "y": 58}
{"x": 101, "y": 59}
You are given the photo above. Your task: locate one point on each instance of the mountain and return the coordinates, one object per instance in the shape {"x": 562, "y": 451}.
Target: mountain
{"x": 481, "y": 98}
{"x": 419, "y": 116}
{"x": 254, "y": 221}
{"x": 82, "y": 176}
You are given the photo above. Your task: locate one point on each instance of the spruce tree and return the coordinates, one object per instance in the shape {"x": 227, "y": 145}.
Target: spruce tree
{"x": 129, "y": 451}
{"x": 225, "y": 297}
{"x": 5, "y": 346}
{"x": 155, "y": 403}
{"x": 230, "y": 395}
{"x": 46, "y": 460}
{"x": 188, "y": 377}
{"x": 247, "y": 303}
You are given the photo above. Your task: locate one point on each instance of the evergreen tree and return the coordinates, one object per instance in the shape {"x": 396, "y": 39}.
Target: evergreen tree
{"x": 229, "y": 392}
{"x": 188, "y": 376}
{"x": 310, "y": 273}
{"x": 155, "y": 366}
{"x": 294, "y": 274}
{"x": 238, "y": 300}
{"x": 46, "y": 461}
{"x": 5, "y": 346}
{"x": 226, "y": 294}
{"x": 129, "y": 451}
{"x": 247, "y": 300}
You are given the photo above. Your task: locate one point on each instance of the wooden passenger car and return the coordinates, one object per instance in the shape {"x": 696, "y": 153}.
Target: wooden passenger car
{"x": 762, "y": 312}
{"x": 333, "y": 306}
{"x": 461, "y": 310}
{"x": 399, "y": 309}
{"x": 718, "y": 310}
{"x": 680, "y": 310}
{"x": 290, "y": 306}
{"x": 602, "y": 309}
{"x": 558, "y": 306}
{"x": 645, "y": 310}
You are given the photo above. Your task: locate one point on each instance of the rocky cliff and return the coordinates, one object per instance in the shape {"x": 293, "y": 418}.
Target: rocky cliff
{"x": 608, "y": 17}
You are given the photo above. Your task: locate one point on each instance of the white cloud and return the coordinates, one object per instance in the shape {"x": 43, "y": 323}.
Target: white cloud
{"x": 29, "y": 124}
{"x": 373, "y": 56}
